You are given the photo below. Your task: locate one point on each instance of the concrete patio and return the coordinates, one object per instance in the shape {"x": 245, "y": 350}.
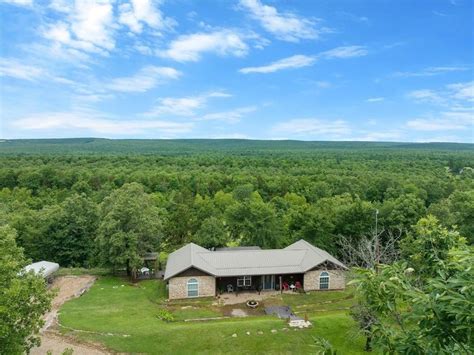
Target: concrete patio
{"x": 242, "y": 297}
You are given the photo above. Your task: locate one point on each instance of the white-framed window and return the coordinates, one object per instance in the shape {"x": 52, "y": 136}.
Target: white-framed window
{"x": 324, "y": 280}
{"x": 244, "y": 281}
{"x": 193, "y": 288}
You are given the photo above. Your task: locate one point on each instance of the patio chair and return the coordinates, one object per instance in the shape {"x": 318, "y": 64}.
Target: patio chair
{"x": 285, "y": 286}
{"x": 298, "y": 285}
{"x": 230, "y": 288}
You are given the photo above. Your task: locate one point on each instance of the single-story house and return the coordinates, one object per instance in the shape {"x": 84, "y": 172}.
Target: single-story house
{"x": 193, "y": 271}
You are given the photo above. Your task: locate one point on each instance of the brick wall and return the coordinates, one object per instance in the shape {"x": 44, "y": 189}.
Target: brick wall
{"x": 177, "y": 286}
{"x": 337, "y": 279}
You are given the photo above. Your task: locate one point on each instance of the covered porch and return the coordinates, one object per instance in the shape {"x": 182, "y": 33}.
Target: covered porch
{"x": 260, "y": 283}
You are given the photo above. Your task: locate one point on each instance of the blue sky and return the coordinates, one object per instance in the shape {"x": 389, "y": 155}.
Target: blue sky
{"x": 386, "y": 70}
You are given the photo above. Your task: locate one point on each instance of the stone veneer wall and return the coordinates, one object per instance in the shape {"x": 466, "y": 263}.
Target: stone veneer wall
{"x": 177, "y": 286}
{"x": 337, "y": 280}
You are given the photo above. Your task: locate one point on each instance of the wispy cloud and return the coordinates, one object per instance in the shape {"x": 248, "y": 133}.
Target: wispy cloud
{"x": 147, "y": 78}
{"x": 231, "y": 116}
{"x": 285, "y": 26}
{"x": 191, "y": 47}
{"x": 346, "y": 52}
{"x": 391, "y": 135}
{"x": 312, "y": 127}
{"x": 15, "y": 69}
{"x": 97, "y": 123}
{"x": 456, "y": 99}
{"x": 143, "y": 12}
{"x": 19, "y": 2}
{"x": 456, "y": 93}
{"x": 300, "y": 60}
{"x": 462, "y": 91}
{"x": 432, "y": 71}
{"x": 426, "y": 95}
{"x": 296, "y": 61}
{"x": 183, "y": 106}
{"x": 376, "y": 99}
{"x": 446, "y": 121}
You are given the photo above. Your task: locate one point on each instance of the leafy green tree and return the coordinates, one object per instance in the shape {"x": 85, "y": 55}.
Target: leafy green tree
{"x": 130, "y": 227}
{"x": 68, "y": 237}
{"x": 253, "y": 222}
{"x": 457, "y": 211}
{"x": 312, "y": 225}
{"x": 24, "y": 298}
{"x": 427, "y": 248}
{"x": 402, "y": 212}
{"x": 418, "y": 308}
{"x": 212, "y": 234}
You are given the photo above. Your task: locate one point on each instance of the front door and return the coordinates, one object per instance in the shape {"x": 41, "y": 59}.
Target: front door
{"x": 269, "y": 282}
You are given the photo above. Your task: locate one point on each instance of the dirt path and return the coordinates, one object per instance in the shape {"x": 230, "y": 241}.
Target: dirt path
{"x": 68, "y": 287}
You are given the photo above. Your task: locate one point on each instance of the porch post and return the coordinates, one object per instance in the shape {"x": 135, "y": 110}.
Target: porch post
{"x": 281, "y": 286}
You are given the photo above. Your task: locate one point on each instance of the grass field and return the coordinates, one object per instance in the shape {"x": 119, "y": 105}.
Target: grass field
{"x": 124, "y": 318}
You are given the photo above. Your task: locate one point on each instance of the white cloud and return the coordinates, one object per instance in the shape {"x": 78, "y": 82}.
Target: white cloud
{"x": 345, "y": 52}
{"x": 231, "y": 116}
{"x": 445, "y": 121}
{"x": 452, "y": 94}
{"x": 458, "y": 114}
{"x": 147, "y": 78}
{"x": 97, "y": 123}
{"x": 379, "y": 136}
{"x": 140, "y": 12}
{"x": 191, "y": 47}
{"x": 425, "y": 95}
{"x": 15, "y": 69}
{"x": 286, "y": 26}
{"x": 183, "y": 106}
{"x": 86, "y": 26}
{"x": 462, "y": 91}
{"x": 376, "y": 99}
{"x": 299, "y": 60}
{"x": 18, "y": 2}
{"x": 312, "y": 127}
{"x": 296, "y": 61}
{"x": 432, "y": 71}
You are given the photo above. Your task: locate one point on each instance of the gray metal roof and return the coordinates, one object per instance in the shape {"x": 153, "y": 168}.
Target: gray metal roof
{"x": 43, "y": 268}
{"x": 298, "y": 257}
{"x": 238, "y": 248}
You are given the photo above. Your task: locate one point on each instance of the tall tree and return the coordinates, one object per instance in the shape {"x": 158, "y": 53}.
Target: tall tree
{"x": 68, "y": 236}
{"x": 254, "y": 222}
{"x": 130, "y": 227}
{"x": 211, "y": 234}
{"x": 422, "y": 305}
{"x": 24, "y": 298}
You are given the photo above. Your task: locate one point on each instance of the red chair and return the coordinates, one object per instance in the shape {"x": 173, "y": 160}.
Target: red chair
{"x": 298, "y": 285}
{"x": 285, "y": 286}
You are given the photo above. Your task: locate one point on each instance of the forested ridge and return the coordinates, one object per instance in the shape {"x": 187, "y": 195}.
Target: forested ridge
{"x": 70, "y": 200}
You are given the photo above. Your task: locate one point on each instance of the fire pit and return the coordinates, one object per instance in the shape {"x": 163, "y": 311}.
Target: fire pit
{"x": 252, "y": 304}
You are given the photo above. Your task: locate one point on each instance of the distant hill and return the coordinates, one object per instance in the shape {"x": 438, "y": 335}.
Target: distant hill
{"x": 190, "y": 146}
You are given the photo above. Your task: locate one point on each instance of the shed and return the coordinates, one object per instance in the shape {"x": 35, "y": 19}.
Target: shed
{"x": 43, "y": 268}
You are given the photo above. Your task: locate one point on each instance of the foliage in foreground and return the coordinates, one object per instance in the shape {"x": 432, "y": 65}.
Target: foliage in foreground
{"x": 423, "y": 304}
{"x": 23, "y": 298}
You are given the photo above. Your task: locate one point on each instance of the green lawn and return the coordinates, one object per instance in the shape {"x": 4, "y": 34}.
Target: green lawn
{"x": 124, "y": 318}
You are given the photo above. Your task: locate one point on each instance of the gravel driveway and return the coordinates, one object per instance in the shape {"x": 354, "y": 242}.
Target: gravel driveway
{"x": 68, "y": 287}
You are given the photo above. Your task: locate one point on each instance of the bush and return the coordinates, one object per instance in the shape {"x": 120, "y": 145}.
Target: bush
{"x": 165, "y": 315}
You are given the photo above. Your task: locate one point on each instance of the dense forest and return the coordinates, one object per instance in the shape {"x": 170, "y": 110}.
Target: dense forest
{"x": 85, "y": 202}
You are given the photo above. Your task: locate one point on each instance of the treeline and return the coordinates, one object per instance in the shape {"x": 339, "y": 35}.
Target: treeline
{"x": 83, "y": 210}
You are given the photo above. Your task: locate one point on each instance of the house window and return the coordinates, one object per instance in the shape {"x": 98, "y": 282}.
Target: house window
{"x": 324, "y": 281}
{"x": 244, "y": 281}
{"x": 193, "y": 287}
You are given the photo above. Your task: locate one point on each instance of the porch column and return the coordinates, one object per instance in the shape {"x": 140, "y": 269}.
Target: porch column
{"x": 281, "y": 287}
